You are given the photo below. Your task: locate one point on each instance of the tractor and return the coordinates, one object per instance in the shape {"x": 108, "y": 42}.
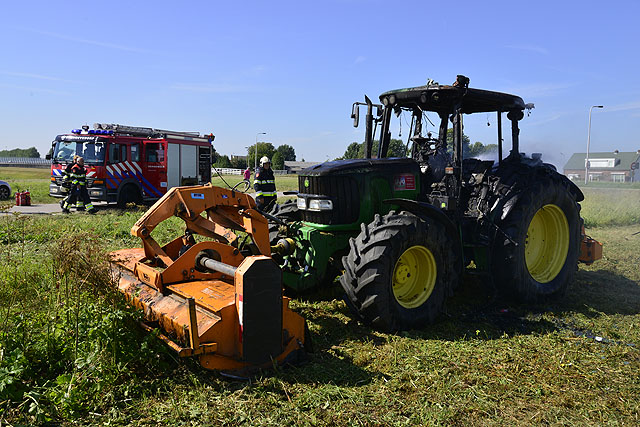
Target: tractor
{"x": 400, "y": 232}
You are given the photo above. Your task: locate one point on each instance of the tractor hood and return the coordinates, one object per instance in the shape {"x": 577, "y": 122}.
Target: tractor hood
{"x": 361, "y": 165}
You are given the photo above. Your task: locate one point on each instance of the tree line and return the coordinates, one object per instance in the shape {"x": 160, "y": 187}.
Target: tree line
{"x": 398, "y": 148}
{"x": 277, "y": 156}
{"x": 31, "y": 152}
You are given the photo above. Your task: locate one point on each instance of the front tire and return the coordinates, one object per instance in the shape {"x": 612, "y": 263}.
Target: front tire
{"x": 539, "y": 258}
{"x": 129, "y": 194}
{"x": 399, "y": 271}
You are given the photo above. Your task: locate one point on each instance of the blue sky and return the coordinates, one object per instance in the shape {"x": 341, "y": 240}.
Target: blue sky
{"x": 293, "y": 69}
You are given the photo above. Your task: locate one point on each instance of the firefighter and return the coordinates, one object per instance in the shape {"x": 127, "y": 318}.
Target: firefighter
{"x": 265, "y": 185}
{"x": 79, "y": 193}
{"x": 66, "y": 180}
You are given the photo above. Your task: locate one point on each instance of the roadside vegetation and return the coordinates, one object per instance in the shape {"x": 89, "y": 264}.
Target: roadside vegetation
{"x": 36, "y": 180}
{"x": 71, "y": 351}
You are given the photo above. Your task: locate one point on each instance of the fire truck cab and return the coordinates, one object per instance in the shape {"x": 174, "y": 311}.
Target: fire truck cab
{"x": 128, "y": 164}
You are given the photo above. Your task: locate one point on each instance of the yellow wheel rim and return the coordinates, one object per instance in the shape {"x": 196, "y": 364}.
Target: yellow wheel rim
{"x": 547, "y": 243}
{"x": 414, "y": 277}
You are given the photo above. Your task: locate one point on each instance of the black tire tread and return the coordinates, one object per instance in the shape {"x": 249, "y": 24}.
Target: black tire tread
{"x": 370, "y": 262}
{"x": 508, "y": 262}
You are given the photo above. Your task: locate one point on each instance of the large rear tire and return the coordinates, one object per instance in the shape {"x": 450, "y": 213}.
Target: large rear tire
{"x": 539, "y": 257}
{"x": 399, "y": 271}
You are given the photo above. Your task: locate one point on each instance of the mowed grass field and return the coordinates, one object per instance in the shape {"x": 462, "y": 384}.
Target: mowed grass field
{"x": 72, "y": 353}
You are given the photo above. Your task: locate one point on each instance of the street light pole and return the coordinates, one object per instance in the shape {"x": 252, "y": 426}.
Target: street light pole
{"x": 256, "y": 159}
{"x": 586, "y": 162}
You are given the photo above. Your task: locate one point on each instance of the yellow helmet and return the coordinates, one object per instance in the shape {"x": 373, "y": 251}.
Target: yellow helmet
{"x": 264, "y": 160}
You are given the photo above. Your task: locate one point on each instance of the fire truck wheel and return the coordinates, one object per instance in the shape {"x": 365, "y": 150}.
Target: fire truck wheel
{"x": 4, "y": 192}
{"x": 129, "y": 194}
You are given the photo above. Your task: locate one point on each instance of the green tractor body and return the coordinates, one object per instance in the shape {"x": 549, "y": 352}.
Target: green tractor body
{"x": 334, "y": 199}
{"x": 399, "y": 231}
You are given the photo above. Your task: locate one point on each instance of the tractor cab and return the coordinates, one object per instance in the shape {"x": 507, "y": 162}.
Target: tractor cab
{"x": 435, "y": 115}
{"x": 449, "y": 104}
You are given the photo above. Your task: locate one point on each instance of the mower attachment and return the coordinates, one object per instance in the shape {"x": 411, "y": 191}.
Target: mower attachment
{"x": 211, "y": 299}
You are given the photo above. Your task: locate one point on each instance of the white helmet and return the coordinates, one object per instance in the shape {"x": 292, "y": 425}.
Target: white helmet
{"x": 264, "y": 160}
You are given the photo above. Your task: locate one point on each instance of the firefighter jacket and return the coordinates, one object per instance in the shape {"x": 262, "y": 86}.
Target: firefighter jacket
{"x": 264, "y": 183}
{"x": 66, "y": 175}
{"x": 78, "y": 175}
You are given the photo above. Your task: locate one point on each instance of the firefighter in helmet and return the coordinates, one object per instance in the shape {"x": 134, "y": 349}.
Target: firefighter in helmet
{"x": 66, "y": 180}
{"x": 265, "y": 185}
{"x": 79, "y": 193}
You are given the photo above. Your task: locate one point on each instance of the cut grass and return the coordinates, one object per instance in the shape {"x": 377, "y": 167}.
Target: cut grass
{"x": 485, "y": 361}
{"x": 283, "y": 182}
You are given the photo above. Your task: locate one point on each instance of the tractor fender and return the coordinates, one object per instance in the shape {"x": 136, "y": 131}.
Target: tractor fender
{"x": 428, "y": 210}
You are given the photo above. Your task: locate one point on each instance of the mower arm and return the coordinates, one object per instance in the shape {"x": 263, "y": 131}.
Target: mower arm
{"x": 226, "y": 210}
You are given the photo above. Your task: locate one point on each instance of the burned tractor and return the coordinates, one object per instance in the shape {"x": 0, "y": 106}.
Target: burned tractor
{"x": 401, "y": 231}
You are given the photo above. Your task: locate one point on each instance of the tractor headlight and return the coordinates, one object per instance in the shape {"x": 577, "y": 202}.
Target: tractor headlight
{"x": 320, "y": 205}
{"x": 302, "y": 203}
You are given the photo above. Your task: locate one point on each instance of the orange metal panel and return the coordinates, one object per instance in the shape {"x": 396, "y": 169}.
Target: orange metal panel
{"x": 590, "y": 250}
{"x": 211, "y": 294}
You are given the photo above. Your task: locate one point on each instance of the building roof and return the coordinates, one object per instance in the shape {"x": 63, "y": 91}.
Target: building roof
{"x": 299, "y": 165}
{"x": 607, "y": 161}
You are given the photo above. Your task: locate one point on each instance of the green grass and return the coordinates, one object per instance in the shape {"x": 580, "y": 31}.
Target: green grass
{"x": 283, "y": 182}
{"x": 36, "y": 180}
{"x": 604, "y": 184}
{"x": 72, "y": 353}
{"x": 611, "y": 206}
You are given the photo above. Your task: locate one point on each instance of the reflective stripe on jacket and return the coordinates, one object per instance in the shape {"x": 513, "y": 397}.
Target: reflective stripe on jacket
{"x": 78, "y": 175}
{"x": 264, "y": 183}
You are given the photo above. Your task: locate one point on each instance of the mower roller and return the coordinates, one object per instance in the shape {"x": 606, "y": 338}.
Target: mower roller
{"x": 219, "y": 299}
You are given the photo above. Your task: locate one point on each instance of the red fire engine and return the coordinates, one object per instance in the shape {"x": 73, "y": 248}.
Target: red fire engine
{"x": 131, "y": 164}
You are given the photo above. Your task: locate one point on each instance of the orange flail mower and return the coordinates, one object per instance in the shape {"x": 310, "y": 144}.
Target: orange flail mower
{"x": 219, "y": 299}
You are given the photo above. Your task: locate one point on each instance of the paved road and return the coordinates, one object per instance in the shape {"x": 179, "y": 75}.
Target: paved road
{"x": 46, "y": 209}
{"x": 54, "y": 208}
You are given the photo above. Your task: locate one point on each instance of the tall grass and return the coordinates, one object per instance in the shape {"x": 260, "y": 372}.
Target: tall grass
{"x": 68, "y": 342}
{"x": 611, "y": 206}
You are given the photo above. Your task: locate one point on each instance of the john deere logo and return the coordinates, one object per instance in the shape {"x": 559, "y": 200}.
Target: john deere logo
{"x": 306, "y": 182}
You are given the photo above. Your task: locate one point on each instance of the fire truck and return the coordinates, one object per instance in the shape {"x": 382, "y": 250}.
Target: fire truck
{"x": 129, "y": 164}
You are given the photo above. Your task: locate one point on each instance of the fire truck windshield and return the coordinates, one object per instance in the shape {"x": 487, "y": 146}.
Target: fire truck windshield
{"x": 92, "y": 152}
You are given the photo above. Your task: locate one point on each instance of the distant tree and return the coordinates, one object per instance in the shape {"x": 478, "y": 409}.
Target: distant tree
{"x": 264, "y": 149}
{"x": 356, "y": 150}
{"x": 277, "y": 162}
{"x": 223, "y": 162}
{"x": 465, "y": 143}
{"x": 397, "y": 148}
{"x": 287, "y": 152}
{"x": 238, "y": 162}
{"x": 352, "y": 151}
{"x": 31, "y": 152}
{"x": 478, "y": 149}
